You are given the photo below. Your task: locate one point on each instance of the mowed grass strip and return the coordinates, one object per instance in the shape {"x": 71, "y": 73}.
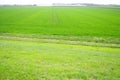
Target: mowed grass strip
{"x": 74, "y": 40}
{"x": 75, "y": 21}
{"x": 21, "y": 60}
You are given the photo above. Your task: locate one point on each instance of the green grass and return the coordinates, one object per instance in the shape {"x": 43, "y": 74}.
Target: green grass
{"x": 70, "y": 21}
{"x": 74, "y": 40}
{"x": 46, "y": 43}
{"x": 26, "y": 60}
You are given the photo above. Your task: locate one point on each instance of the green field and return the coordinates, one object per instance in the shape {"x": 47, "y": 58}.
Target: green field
{"x": 22, "y": 60}
{"x": 59, "y": 43}
{"x": 76, "y": 21}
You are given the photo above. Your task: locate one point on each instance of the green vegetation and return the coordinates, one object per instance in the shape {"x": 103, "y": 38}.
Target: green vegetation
{"x": 22, "y": 60}
{"x": 51, "y": 43}
{"x": 75, "y": 21}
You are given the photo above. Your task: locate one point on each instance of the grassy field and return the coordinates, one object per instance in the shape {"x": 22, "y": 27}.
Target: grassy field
{"x": 59, "y": 43}
{"x": 70, "y": 21}
{"x": 23, "y": 60}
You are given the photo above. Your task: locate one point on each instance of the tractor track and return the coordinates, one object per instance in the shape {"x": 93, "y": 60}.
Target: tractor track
{"x": 55, "y": 17}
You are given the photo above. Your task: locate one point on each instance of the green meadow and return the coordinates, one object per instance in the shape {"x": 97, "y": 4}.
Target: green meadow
{"x": 59, "y": 43}
{"x": 70, "y": 21}
{"x": 26, "y": 60}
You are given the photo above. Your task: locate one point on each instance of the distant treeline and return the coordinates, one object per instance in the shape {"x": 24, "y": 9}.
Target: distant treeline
{"x": 82, "y": 4}
{"x": 18, "y": 5}
{"x": 63, "y": 4}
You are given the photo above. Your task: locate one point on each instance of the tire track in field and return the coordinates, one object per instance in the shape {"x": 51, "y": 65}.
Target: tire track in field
{"x": 58, "y": 19}
{"x": 55, "y": 17}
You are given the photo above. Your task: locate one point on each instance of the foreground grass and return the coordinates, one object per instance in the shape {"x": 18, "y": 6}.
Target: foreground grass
{"x": 26, "y": 60}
